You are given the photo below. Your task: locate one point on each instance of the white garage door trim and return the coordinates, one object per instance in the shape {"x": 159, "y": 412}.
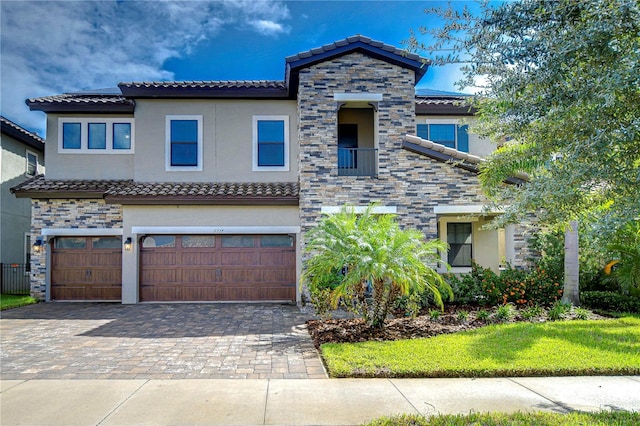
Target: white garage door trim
{"x": 215, "y": 230}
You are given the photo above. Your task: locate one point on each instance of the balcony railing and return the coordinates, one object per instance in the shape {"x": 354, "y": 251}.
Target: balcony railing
{"x": 357, "y": 162}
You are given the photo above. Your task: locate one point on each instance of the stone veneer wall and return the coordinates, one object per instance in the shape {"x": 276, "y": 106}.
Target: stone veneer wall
{"x": 413, "y": 183}
{"x": 66, "y": 213}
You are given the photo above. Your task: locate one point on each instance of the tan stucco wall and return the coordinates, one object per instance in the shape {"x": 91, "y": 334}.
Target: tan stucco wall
{"x": 477, "y": 146}
{"x": 227, "y": 140}
{"x": 84, "y": 166}
{"x": 365, "y": 119}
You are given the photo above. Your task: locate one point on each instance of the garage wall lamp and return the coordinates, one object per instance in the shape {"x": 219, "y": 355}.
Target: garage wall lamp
{"x": 38, "y": 246}
{"x": 127, "y": 244}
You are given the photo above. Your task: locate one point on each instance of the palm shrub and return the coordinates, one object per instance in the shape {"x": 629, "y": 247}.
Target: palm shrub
{"x": 627, "y": 247}
{"x": 372, "y": 250}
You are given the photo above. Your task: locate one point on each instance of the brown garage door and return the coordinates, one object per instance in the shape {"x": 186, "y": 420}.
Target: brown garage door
{"x": 217, "y": 268}
{"x": 86, "y": 268}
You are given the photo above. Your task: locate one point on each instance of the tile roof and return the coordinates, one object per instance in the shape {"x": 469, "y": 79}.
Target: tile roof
{"x": 21, "y": 134}
{"x": 350, "y": 40}
{"x": 212, "y": 84}
{"x": 76, "y": 102}
{"x": 457, "y": 158}
{"x": 129, "y": 192}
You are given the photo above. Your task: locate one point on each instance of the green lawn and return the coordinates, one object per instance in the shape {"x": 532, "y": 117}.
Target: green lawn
{"x": 8, "y": 301}
{"x": 564, "y": 348}
{"x": 522, "y": 419}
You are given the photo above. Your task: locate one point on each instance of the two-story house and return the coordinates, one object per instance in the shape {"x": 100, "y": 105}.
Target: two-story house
{"x": 203, "y": 190}
{"x": 21, "y": 157}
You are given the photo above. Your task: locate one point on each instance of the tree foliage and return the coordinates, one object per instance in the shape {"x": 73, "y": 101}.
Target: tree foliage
{"x": 371, "y": 250}
{"x": 559, "y": 88}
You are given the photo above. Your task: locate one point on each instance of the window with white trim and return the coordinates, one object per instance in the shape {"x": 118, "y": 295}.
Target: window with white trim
{"x": 183, "y": 143}
{"x": 271, "y": 143}
{"x": 449, "y": 134}
{"x": 31, "y": 163}
{"x": 95, "y": 135}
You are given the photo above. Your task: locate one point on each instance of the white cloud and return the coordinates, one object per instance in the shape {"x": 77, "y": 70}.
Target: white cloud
{"x": 59, "y": 46}
{"x": 268, "y": 27}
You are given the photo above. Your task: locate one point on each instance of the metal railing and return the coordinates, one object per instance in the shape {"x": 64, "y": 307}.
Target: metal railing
{"x": 357, "y": 162}
{"x": 14, "y": 278}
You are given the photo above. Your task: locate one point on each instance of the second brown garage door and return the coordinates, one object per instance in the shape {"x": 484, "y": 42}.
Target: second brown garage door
{"x": 217, "y": 268}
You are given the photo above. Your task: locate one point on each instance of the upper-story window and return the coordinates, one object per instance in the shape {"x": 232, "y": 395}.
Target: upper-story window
{"x": 183, "y": 142}
{"x": 32, "y": 163}
{"x": 449, "y": 134}
{"x": 96, "y": 135}
{"x": 270, "y": 143}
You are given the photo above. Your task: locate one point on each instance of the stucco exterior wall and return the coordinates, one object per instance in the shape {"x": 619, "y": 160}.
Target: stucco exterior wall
{"x": 15, "y": 213}
{"x": 84, "y": 166}
{"x": 227, "y": 140}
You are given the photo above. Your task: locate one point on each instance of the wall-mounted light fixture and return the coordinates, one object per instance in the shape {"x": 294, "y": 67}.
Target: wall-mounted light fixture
{"x": 38, "y": 246}
{"x": 127, "y": 244}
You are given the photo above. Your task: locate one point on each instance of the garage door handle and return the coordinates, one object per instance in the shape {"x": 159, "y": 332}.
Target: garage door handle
{"x": 88, "y": 274}
{"x": 218, "y": 273}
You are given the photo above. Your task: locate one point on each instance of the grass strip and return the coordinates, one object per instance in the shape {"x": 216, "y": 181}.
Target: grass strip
{"x": 565, "y": 348}
{"x": 9, "y": 301}
{"x": 522, "y": 419}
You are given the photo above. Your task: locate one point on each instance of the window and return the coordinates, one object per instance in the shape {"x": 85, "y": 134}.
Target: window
{"x": 459, "y": 239}
{"x": 237, "y": 241}
{"x": 32, "y": 164}
{"x": 451, "y": 135}
{"x": 95, "y": 135}
{"x": 184, "y": 142}
{"x": 198, "y": 241}
{"x": 107, "y": 243}
{"x": 271, "y": 143}
{"x": 276, "y": 241}
{"x": 159, "y": 241}
{"x": 70, "y": 243}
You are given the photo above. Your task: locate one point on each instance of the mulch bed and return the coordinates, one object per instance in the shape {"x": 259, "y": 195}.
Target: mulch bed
{"x": 355, "y": 330}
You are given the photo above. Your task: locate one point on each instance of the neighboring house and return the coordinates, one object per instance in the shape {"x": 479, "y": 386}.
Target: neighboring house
{"x": 21, "y": 157}
{"x": 203, "y": 190}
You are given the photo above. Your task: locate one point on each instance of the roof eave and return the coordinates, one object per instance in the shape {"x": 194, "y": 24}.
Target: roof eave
{"x": 23, "y": 137}
{"x": 203, "y": 93}
{"x": 57, "y": 194}
{"x": 444, "y": 110}
{"x": 66, "y": 107}
{"x": 203, "y": 200}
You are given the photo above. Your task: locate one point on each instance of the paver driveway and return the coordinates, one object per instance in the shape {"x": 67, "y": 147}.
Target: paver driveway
{"x": 156, "y": 341}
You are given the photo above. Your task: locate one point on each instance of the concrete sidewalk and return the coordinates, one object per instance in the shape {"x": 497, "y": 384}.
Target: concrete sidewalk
{"x": 298, "y": 402}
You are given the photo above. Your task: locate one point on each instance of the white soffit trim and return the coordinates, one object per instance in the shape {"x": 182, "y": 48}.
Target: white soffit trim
{"x": 464, "y": 209}
{"x": 200, "y": 230}
{"x": 75, "y": 232}
{"x": 357, "y": 97}
{"x": 360, "y": 209}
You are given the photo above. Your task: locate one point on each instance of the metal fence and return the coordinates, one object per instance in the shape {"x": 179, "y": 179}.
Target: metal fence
{"x": 14, "y": 278}
{"x": 357, "y": 162}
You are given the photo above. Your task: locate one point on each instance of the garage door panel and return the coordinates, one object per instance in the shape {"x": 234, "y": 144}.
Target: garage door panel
{"x": 159, "y": 258}
{"x": 111, "y": 259}
{"x": 199, "y": 258}
{"x": 218, "y": 268}
{"x": 69, "y": 276}
{"x": 203, "y": 276}
{"x": 67, "y": 292}
{"x": 239, "y": 258}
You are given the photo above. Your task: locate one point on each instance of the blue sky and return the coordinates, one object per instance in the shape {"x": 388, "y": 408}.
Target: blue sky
{"x": 53, "y": 47}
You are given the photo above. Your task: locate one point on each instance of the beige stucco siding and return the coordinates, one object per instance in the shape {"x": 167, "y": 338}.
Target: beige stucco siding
{"x": 82, "y": 165}
{"x": 227, "y": 140}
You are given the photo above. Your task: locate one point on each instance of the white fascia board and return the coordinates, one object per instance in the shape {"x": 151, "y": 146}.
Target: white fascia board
{"x": 360, "y": 209}
{"x": 369, "y": 97}
{"x": 76, "y": 232}
{"x": 465, "y": 209}
{"x": 208, "y": 230}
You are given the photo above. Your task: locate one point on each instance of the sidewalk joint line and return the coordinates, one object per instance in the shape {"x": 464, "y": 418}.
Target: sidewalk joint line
{"x": 562, "y": 405}
{"x": 266, "y": 401}
{"x": 405, "y": 397}
{"x": 122, "y": 402}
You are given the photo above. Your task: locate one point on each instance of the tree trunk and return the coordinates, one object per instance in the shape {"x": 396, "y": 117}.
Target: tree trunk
{"x": 571, "y": 292}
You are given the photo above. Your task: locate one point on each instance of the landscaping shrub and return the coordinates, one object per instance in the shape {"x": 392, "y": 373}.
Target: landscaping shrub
{"x": 558, "y": 311}
{"x": 610, "y": 301}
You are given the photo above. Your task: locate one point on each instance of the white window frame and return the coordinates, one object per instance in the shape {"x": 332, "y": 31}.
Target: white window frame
{"x": 167, "y": 148}
{"x": 84, "y": 135}
{"x": 26, "y": 158}
{"x": 256, "y": 167}
{"x": 453, "y": 121}
{"x": 443, "y": 236}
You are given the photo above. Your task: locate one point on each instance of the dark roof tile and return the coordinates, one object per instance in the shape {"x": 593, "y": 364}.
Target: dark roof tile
{"x": 21, "y": 134}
